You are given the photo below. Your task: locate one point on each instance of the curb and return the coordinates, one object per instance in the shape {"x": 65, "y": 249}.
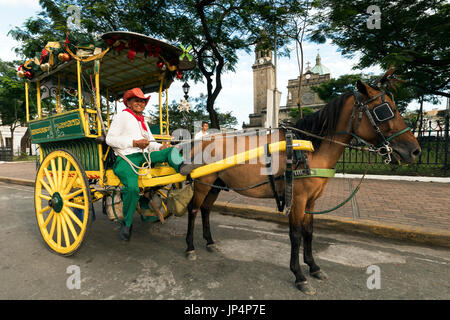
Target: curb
{"x": 22, "y": 182}
{"x": 429, "y": 236}
{"x": 422, "y": 235}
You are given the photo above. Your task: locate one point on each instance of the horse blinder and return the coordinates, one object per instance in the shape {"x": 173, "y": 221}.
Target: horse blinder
{"x": 382, "y": 112}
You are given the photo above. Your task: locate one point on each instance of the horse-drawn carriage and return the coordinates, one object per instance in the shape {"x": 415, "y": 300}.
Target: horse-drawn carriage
{"x": 79, "y": 89}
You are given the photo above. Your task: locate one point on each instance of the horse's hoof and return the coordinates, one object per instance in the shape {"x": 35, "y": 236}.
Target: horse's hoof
{"x": 191, "y": 255}
{"x": 319, "y": 274}
{"x": 212, "y": 248}
{"x": 305, "y": 287}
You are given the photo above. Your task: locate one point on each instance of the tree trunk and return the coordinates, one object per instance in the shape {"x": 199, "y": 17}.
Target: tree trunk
{"x": 2, "y": 143}
{"x": 12, "y": 128}
{"x": 300, "y": 80}
{"x": 212, "y": 94}
{"x": 24, "y": 141}
{"x": 421, "y": 117}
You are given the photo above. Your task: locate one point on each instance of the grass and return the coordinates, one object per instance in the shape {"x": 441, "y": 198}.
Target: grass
{"x": 23, "y": 157}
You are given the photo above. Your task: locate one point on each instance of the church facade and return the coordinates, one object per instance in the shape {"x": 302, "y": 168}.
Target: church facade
{"x": 264, "y": 80}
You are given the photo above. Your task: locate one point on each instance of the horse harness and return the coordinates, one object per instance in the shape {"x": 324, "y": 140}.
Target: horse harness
{"x": 378, "y": 114}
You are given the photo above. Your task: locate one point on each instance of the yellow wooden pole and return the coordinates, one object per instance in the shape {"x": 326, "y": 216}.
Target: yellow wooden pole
{"x": 99, "y": 117}
{"x": 160, "y": 107}
{"x": 58, "y": 95}
{"x": 107, "y": 108}
{"x": 167, "y": 111}
{"x": 38, "y": 89}
{"x": 240, "y": 158}
{"x": 27, "y": 103}
{"x": 80, "y": 97}
{"x": 80, "y": 101}
{"x": 97, "y": 96}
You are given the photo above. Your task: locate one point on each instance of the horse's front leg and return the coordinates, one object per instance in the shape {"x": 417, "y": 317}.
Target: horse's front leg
{"x": 206, "y": 210}
{"x": 200, "y": 193}
{"x": 295, "y": 235}
{"x": 307, "y": 233}
{"x": 192, "y": 214}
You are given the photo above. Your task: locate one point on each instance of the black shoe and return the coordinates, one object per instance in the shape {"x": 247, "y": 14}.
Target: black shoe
{"x": 185, "y": 168}
{"x": 125, "y": 232}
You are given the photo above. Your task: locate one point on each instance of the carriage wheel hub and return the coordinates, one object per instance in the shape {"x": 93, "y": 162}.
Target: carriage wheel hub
{"x": 56, "y": 202}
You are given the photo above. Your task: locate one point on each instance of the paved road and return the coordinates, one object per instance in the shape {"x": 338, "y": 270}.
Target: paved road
{"x": 253, "y": 262}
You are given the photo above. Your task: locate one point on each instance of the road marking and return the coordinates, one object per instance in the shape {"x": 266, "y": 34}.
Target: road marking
{"x": 253, "y": 230}
{"x": 15, "y": 188}
{"x": 429, "y": 260}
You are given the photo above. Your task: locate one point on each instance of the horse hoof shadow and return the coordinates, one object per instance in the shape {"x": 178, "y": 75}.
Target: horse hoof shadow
{"x": 306, "y": 288}
{"x": 191, "y": 255}
{"x": 212, "y": 248}
{"x": 319, "y": 274}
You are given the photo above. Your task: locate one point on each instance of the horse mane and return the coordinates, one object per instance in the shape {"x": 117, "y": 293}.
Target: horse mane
{"x": 322, "y": 122}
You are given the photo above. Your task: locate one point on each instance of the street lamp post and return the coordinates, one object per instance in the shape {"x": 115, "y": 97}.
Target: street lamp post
{"x": 186, "y": 87}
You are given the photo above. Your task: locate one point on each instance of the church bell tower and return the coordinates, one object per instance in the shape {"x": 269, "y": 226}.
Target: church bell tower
{"x": 263, "y": 80}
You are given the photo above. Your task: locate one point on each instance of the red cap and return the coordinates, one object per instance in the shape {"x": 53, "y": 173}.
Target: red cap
{"x": 135, "y": 92}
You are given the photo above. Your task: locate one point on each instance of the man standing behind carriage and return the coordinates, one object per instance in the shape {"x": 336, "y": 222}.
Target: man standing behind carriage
{"x": 130, "y": 136}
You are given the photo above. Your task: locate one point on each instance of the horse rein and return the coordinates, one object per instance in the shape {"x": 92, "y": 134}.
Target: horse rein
{"x": 384, "y": 148}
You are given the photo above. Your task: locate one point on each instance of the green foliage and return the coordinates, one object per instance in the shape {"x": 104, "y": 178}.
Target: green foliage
{"x": 217, "y": 30}
{"x": 12, "y": 100}
{"x": 413, "y": 37}
{"x": 186, "y": 120}
{"x": 333, "y": 88}
{"x": 294, "y": 114}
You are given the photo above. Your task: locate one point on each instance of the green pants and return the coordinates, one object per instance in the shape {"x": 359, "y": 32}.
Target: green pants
{"x": 130, "y": 190}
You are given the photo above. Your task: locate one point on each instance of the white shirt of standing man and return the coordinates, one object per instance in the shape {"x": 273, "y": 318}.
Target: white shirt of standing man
{"x": 204, "y": 132}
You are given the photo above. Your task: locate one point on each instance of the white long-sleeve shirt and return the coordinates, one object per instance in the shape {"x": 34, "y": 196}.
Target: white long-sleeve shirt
{"x": 124, "y": 129}
{"x": 199, "y": 135}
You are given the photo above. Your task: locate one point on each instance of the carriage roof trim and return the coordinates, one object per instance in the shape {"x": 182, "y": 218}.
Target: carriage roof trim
{"x": 118, "y": 73}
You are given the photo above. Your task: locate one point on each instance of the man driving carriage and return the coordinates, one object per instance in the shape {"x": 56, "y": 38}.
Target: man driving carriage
{"x": 130, "y": 138}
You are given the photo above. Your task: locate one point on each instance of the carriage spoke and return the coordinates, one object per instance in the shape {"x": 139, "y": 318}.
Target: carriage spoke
{"x": 71, "y": 182}
{"x": 66, "y": 174}
{"x": 71, "y": 227}
{"x": 49, "y": 190}
{"x": 49, "y": 218}
{"x": 44, "y": 209}
{"x": 73, "y": 194}
{"x": 65, "y": 231}
{"x": 43, "y": 196}
{"x": 52, "y": 228}
{"x": 75, "y": 205}
{"x": 58, "y": 231}
{"x": 55, "y": 176}
{"x": 73, "y": 217}
{"x": 60, "y": 171}
{"x": 50, "y": 181}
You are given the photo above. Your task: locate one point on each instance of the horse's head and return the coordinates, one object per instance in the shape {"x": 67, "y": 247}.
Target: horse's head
{"x": 383, "y": 126}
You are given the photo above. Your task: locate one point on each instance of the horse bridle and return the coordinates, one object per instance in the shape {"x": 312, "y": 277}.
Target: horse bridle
{"x": 380, "y": 113}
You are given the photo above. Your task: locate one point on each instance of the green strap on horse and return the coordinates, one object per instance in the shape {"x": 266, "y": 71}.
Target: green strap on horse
{"x": 308, "y": 172}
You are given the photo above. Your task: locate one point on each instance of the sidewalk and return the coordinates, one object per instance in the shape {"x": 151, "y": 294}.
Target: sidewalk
{"x": 414, "y": 210}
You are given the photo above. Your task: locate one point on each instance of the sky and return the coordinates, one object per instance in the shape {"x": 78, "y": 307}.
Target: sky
{"x": 237, "y": 92}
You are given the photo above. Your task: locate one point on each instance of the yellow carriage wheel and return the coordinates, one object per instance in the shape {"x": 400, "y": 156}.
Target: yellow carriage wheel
{"x": 62, "y": 202}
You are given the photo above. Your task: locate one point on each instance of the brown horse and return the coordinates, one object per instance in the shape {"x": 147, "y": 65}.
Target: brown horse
{"x": 338, "y": 121}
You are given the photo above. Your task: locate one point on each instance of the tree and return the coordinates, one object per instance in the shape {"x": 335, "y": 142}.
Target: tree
{"x": 186, "y": 120}
{"x": 413, "y": 37}
{"x": 12, "y": 102}
{"x": 295, "y": 113}
{"x": 333, "y": 88}
{"x": 217, "y": 30}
